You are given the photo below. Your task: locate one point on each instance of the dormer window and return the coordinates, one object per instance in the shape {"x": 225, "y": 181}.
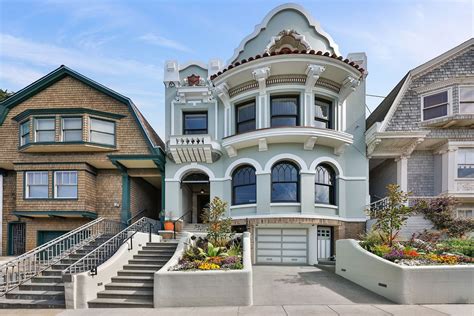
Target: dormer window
{"x": 71, "y": 129}
{"x": 466, "y": 99}
{"x": 284, "y": 111}
{"x": 25, "y": 133}
{"x": 435, "y": 105}
{"x": 245, "y": 117}
{"x": 322, "y": 113}
{"x": 44, "y": 130}
{"x": 194, "y": 123}
{"x": 102, "y": 131}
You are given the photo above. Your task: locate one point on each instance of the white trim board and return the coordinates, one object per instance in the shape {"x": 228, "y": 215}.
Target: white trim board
{"x": 302, "y": 216}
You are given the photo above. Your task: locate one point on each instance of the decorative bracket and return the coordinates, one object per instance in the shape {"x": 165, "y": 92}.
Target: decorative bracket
{"x": 348, "y": 86}
{"x": 309, "y": 143}
{"x": 408, "y": 149}
{"x": 262, "y": 144}
{"x": 313, "y": 72}
{"x": 261, "y": 75}
{"x": 340, "y": 149}
{"x": 231, "y": 151}
{"x": 372, "y": 146}
{"x": 222, "y": 91}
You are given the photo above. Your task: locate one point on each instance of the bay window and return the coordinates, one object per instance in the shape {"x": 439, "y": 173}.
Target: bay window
{"x": 323, "y": 113}
{"x": 285, "y": 182}
{"x": 466, "y": 99}
{"x": 71, "y": 129}
{"x": 435, "y": 105}
{"x": 45, "y": 130}
{"x": 102, "y": 131}
{"x": 465, "y": 162}
{"x": 245, "y": 117}
{"x": 65, "y": 184}
{"x": 284, "y": 111}
{"x": 25, "y": 133}
{"x": 244, "y": 186}
{"x": 325, "y": 185}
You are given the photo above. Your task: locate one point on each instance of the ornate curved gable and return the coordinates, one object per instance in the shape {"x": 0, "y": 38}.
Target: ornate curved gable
{"x": 286, "y": 27}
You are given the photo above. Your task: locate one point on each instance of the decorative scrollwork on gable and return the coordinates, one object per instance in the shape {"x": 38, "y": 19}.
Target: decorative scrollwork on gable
{"x": 287, "y": 41}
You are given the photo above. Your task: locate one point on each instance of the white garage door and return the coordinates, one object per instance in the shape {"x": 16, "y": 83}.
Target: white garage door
{"x": 282, "y": 245}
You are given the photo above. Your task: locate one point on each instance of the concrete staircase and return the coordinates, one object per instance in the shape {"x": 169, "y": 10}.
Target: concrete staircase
{"x": 192, "y": 228}
{"x": 133, "y": 286}
{"x": 47, "y": 289}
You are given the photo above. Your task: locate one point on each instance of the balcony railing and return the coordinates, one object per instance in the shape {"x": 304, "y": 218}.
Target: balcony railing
{"x": 193, "y": 148}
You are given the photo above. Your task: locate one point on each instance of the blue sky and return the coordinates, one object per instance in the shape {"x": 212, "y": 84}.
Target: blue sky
{"x": 123, "y": 44}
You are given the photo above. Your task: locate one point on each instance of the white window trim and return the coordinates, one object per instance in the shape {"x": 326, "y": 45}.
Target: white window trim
{"x": 62, "y": 125}
{"x": 27, "y": 186}
{"x": 464, "y": 209}
{"x": 35, "y": 119}
{"x": 320, "y": 205}
{"x": 456, "y": 178}
{"x": 233, "y": 207}
{"x": 56, "y": 185}
{"x": 450, "y": 102}
{"x": 459, "y": 97}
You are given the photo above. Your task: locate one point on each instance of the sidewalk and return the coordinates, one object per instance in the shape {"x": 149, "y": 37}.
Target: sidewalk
{"x": 281, "y": 310}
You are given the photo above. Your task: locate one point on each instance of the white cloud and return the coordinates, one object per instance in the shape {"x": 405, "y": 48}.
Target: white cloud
{"x": 19, "y": 75}
{"x": 158, "y": 40}
{"x": 40, "y": 54}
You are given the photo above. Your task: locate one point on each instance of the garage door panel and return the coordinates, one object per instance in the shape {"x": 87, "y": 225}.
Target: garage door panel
{"x": 294, "y": 253}
{"x": 294, "y": 260}
{"x": 294, "y": 232}
{"x": 269, "y": 238}
{"x": 294, "y": 245}
{"x": 269, "y": 231}
{"x": 269, "y": 259}
{"x": 267, "y": 245}
{"x": 295, "y": 238}
{"x": 268, "y": 252}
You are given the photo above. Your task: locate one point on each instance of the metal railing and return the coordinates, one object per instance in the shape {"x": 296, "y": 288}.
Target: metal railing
{"x": 138, "y": 215}
{"x": 32, "y": 263}
{"x": 379, "y": 205}
{"x": 96, "y": 257}
{"x": 175, "y": 221}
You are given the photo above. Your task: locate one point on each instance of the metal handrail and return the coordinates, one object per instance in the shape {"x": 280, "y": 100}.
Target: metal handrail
{"x": 383, "y": 202}
{"x": 136, "y": 215}
{"x": 93, "y": 259}
{"x": 175, "y": 221}
{"x": 26, "y": 266}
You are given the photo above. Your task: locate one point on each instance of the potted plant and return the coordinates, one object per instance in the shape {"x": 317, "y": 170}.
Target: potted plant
{"x": 169, "y": 225}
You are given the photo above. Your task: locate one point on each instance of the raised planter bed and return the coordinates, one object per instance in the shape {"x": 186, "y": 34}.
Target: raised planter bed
{"x": 439, "y": 284}
{"x": 204, "y": 288}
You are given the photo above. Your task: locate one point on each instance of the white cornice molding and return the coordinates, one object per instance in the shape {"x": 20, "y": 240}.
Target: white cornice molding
{"x": 289, "y": 6}
{"x": 190, "y": 63}
{"x": 313, "y": 72}
{"x": 260, "y": 75}
{"x": 468, "y": 80}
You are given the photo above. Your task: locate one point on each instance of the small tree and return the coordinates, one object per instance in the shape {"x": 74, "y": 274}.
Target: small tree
{"x": 391, "y": 216}
{"x": 441, "y": 212}
{"x": 219, "y": 230}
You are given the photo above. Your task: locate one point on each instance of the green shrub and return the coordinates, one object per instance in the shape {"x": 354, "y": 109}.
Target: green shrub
{"x": 456, "y": 245}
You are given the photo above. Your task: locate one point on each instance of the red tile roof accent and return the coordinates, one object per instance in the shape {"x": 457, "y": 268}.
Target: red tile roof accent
{"x": 311, "y": 52}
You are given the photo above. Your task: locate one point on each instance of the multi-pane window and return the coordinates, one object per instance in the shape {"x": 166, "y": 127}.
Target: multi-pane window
{"x": 324, "y": 186}
{"x": 44, "y": 129}
{"x": 71, "y": 129}
{"x": 465, "y": 162}
{"x": 36, "y": 184}
{"x": 65, "y": 184}
{"x": 245, "y": 117}
{"x": 194, "y": 123}
{"x": 25, "y": 133}
{"x": 322, "y": 113}
{"x": 285, "y": 182}
{"x": 284, "y": 111}
{"x": 466, "y": 99}
{"x": 244, "y": 186}
{"x": 463, "y": 213}
{"x": 435, "y": 105}
{"x": 102, "y": 131}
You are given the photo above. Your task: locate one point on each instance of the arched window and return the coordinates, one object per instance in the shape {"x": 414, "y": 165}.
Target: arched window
{"x": 325, "y": 185}
{"x": 244, "y": 186}
{"x": 285, "y": 182}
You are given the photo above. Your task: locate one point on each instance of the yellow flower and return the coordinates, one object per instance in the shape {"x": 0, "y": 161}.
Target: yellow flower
{"x": 208, "y": 266}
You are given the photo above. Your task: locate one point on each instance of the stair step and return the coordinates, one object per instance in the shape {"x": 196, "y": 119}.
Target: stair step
{"x": 36, "y": 295}
{"x": 126, "y": 294}
{"x": 30, "y": 286}
{"x": 27, "y": 304}
{"x": 59, "y": 266}
{"x": 136, "y": 272}
{"x": 148, "y": 261}
{"x": 169, "y": 248}
{"x": 68, "y": 261}
{"x": 52, "y": 273}
{"x": 47, "y": 279}
{"x": 156, "y": 252}
{"x": 133, "y": 279}
{"x": 148, "y": 286}
{"x": 150, "y": 267}
{"x": 120, "y": 303}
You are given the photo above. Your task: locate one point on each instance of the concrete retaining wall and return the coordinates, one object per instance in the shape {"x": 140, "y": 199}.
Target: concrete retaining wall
{"x": 204, "y": 288}
{"x": 84, "y": 287}
{"x": 401, "y": 284}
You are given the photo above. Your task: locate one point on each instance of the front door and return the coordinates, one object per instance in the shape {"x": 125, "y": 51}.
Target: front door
{"x": 17, "y": 239}
{"x": 202, "y": 203}
{"x": 324, "y": 243}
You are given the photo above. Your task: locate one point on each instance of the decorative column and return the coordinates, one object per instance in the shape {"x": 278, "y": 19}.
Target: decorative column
{"x": 348, "y": 86}
{"x": 402, "y": 173}
{"x": 313, "y": 72}
{"x": 261, "y": 75}
{"x": 222, "y": 92}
